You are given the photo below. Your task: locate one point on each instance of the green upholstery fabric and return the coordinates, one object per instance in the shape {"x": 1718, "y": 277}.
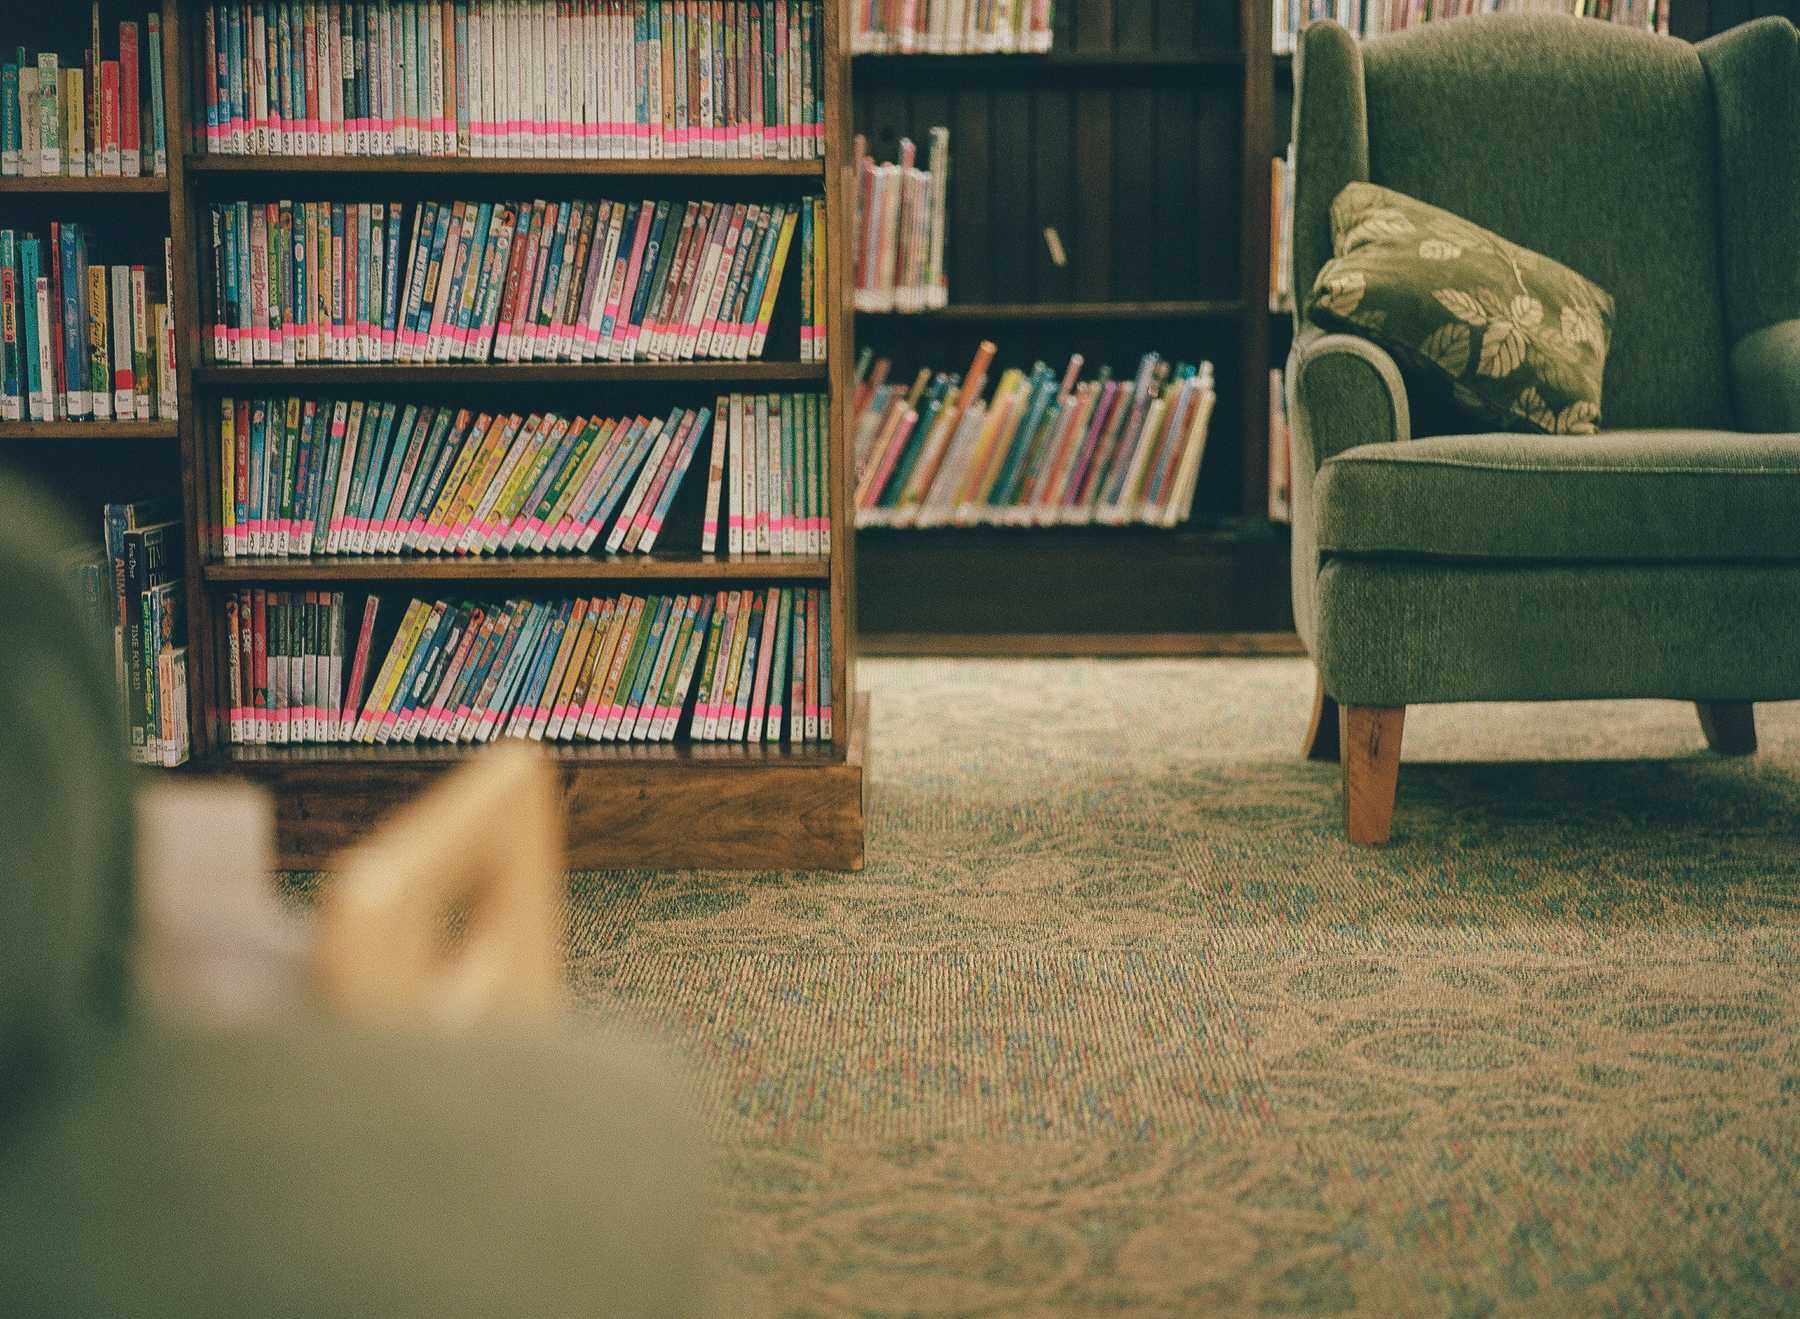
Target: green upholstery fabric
{"x": 1344, "y": 391}
{"x": 314, "y": 1172}
{"x": 1586, "y": 142}
{"x": 1765, "y": 375}
{"x": 1754, "y": 72}
{"x": 1398, "y": 632}
{"x": 65, "y": 825}
{"x": 1639, "y": 496}
{"x": 1331, "y": 143}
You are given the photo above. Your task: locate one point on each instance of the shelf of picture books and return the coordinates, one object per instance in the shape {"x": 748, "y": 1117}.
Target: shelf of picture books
{"x": 951, "y": 27}
{"x": 362, "y": 488}
{"x": 1043, "y": 449}
{"x": 86, "y": 347}
{"x": 531, "y": 79}
{"x": 98, "y": 115}
{"x": 900, "y": 224}
{"x": 131, "y": 582}
{"x": 541, "y": 281}
{"x": 323, "y": 667}
{"x": 1373, "y": 19}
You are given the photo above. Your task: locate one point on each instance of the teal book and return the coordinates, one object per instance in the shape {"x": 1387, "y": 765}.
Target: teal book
{"x": 12, "y": 378}
{"x": 36, "y": 393}
{"x": 11, "y": 139}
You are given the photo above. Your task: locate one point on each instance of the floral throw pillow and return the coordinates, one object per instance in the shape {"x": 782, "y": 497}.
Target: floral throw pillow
{"x": 1518, "y": 339}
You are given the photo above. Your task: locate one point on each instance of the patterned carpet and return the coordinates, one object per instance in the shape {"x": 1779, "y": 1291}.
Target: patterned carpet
{"x": 1115, "y": 1022}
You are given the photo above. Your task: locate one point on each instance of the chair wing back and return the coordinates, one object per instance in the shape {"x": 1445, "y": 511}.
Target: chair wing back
{"x": 1754, "y": 71}
{"x": 1587, "y": 142}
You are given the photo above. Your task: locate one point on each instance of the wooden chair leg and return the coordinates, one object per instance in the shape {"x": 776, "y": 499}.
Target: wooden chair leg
{"x": 1322, "y": 736}
{"x": 1730, "y": 726}
{"x": 1371, "y": 758}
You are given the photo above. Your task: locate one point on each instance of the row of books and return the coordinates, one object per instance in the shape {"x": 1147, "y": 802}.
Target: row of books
{"x": 1371, "y": 18}
{"x": 900, "y": 222}
{"x": 1281, "y": 452}
{"x": 537, "y": 281}
{"x": 1044, "y": 449}
{"x": 306, "y": 477}
{"x": 951, "y": 27}
{"x": 86, "y": 120}
{"x": 757, "y": 664}
{"x": 1281, "y": 232}
{"x": 562, "y": 79}
{"x": 132, "y": 586}
{"x": 81, "y": 341}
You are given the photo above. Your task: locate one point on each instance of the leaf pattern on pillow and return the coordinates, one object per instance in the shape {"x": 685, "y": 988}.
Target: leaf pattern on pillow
{"x": 1517, "y": 338}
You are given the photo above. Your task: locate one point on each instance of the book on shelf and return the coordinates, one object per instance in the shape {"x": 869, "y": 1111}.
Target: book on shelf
{"x": 145, "y": 613}
{"x": 900, "y": 226}
{"x": 289, "y": 282}
{"x": 1281, "y": 452}
{"x": 536, "y": 79}
{"x": 92, "y": 117}
{"x": 82, "y": 341}
{"x": 1043, "y": 449}
{"x": 322, "y": 477}
{"x": 1281, "y": 232}
{"x": 1372, "y": 20}
{"x": 310, "y": 666}
{"x": 951, "y": 27}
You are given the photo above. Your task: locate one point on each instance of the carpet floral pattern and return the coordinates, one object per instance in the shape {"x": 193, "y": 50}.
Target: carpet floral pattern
{"x": 1116, "y": 1022}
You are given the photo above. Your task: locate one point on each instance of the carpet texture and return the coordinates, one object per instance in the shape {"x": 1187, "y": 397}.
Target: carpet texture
{"x": 1116, "y": 1022}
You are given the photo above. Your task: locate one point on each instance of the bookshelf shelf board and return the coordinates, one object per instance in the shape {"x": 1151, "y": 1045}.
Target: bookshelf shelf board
{"x": 705, "y": 804}
{"x": 89, "y": 430}
{"x": 64, "y": 183}
{"x": 452, "y": 166}
{"x": 877, "y": 65}
{"x": 672, "y": 566}
{"x": 466, "y": 373}
{"x": 1063, "y": 311}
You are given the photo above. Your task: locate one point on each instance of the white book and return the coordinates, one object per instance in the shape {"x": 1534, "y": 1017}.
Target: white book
{"x": 124, "y": 399}
{"x": 645, "y": 479}
{"x": 734, "y": 479}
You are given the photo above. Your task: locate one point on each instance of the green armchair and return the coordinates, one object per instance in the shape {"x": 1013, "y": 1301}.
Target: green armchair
{"x": 1659, "y": 558}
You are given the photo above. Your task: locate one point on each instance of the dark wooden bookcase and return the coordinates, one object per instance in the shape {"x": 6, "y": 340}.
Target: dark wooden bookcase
{"x": 1143, "y": 139}
{"x": 626, "y": 805}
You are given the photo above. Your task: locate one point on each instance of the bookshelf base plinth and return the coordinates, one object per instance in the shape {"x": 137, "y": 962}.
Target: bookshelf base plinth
{"x": 658, "y": 807}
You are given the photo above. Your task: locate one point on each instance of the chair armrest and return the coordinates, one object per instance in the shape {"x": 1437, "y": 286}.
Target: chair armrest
{"x": 1346, "y": 391}
{"x": 1765, "y": 378}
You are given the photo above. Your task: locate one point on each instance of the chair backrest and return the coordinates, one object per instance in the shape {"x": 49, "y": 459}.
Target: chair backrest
{"x": 65, "y": 810}
{"x": 1599, "y": 146}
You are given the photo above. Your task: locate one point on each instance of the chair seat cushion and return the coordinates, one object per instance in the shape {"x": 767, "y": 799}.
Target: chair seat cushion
{"x": 1661, "y": 496}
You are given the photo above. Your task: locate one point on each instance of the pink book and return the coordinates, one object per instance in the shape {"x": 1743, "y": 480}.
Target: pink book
{"x": 716, "y": 689}
{"x": 130, "y": 134}
{"x": 622, "y": 338}
{"x": 765, "y": 657}
{"x": 673, "y": 457}
{"x": 359, "y": 669}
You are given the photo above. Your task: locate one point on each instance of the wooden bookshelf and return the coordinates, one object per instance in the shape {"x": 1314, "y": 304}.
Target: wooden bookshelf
{"x": 1142, "y": 139}
{"x": 660, "y": 567}
{"x": 105, "y": 187}
{"x": 626, "y": 805}
{"x": 88, "y": 430}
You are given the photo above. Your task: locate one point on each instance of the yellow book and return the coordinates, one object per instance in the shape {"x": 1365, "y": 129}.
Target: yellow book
{"x": 767, "y": 309}
{"x": 990, "y": 452}
{"x": 383, "y": 689}
{"x": 227, "y": 475}
{"x": 442, "y": 507}
{"x": 74, "y": 104}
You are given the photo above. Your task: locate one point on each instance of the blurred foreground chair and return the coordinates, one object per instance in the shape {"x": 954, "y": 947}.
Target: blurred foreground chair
{"x": 152, "y": 1166}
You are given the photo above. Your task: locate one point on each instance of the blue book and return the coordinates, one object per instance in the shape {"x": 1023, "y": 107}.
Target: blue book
{"x": 259, "y": 434}
{"x": 361, "y": 513}
{"x": 384, "y": 490}
{"x": 499, "y": 705}
{"x": 422, "y": 654}
{"x": 531, "y": 693}
{"x": 159, "y": 135}
{"x": 390, "y": 297}
{"x": 652, "y": 250}
{"x": 74, "y": 320}
{"x": 341, "y": 320}
{"x": 365, "y": 308}
{"x": 634, "y": 451}
{"x": 463, "y": 320}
